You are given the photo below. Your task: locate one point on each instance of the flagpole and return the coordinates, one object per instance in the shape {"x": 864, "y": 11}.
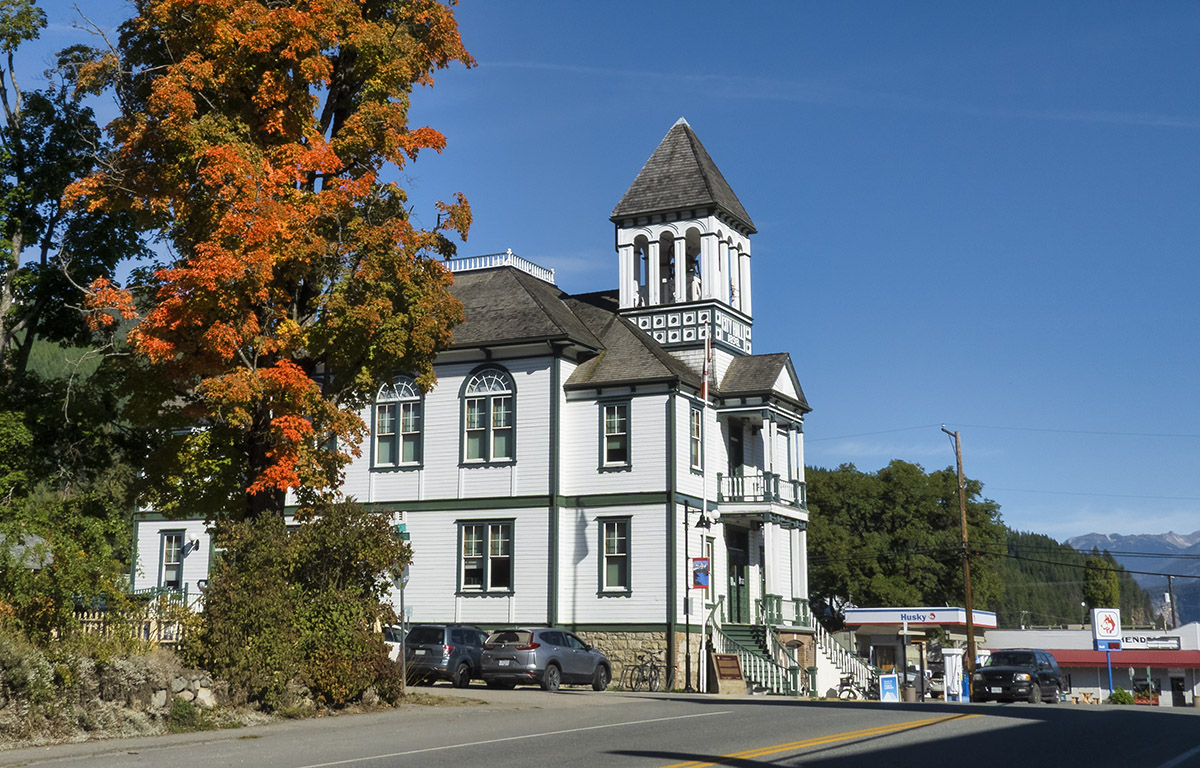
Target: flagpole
{"x": 703, "y": 675}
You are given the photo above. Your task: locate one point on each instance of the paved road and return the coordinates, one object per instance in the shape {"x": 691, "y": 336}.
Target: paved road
{"x": 527, "y": 728}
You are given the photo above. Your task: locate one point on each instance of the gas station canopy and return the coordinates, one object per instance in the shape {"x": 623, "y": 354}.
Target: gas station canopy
{"x": 943, "y": 616}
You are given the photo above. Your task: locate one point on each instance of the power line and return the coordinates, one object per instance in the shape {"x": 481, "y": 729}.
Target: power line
{"x": 1118, "y": 569}
{"x": 1103, "y": 495}
{"x": 1082, "y": 431}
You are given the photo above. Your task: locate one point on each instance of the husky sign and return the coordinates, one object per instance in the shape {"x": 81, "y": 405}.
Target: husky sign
{"x": 1106, "y": 629}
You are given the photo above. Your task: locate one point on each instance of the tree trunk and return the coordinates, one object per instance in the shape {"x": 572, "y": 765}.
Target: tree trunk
{"x": 259, "y": 445}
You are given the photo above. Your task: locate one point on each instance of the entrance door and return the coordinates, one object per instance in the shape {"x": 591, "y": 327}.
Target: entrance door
{"x": 737, "y": 456}
{"x": 737, "y": 544}
{"x": 1178, "y": 699}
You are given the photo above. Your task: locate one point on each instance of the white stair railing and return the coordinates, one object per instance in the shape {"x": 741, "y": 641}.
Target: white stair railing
{"x": 846, "y": 662}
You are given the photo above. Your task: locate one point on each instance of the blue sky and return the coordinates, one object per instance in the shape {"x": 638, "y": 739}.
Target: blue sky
{"x": 982, "y": 215}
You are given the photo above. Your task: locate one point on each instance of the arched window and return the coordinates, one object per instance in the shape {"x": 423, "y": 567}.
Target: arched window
{"x": 398, "y": 423}
{"x": 488, "y": 416}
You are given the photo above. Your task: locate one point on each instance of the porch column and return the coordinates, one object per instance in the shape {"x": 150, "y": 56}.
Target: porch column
{"x": 771, "y": 559}
{"x": 653, "y": 286}
{"x": 681, "y": 275}
{"x": 800, "y": 564}
{"x": 772, "y": 430}
{"x": 709, "y": 276}
{"x": 744, "y": 292}
{"x": 628, "y": 285}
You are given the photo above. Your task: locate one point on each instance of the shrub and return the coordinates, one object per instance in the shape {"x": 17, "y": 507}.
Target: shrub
{"x": 1120, "y": 696}
{"x": 300, "y": 607}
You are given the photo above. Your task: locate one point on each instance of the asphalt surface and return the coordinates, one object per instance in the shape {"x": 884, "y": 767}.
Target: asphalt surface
{"x": 577, "y": 727}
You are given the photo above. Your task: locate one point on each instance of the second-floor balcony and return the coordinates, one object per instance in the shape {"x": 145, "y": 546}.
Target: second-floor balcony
{"x": 761, "y": 487}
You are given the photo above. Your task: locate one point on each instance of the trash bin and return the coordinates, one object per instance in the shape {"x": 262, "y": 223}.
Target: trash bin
{"x": 908, "y": 693}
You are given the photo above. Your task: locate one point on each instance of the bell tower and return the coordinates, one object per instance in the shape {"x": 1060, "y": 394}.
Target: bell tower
{"x": 683, "y": 244}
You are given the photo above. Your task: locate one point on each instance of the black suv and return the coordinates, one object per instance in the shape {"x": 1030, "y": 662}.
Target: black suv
{"x": 443, "y": 652}
{"x": 1020, "y": 674}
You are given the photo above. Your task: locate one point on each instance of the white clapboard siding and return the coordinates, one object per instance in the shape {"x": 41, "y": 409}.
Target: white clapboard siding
{"x": 148, "y": 567}
{"x": 441, "y": 476}
{"x": 433, "y": 574}
{"x": 581, "y": 440}
{"x": 580, "y": 548}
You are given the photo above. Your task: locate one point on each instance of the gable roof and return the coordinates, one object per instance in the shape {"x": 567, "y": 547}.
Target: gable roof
{"x": 505, "y": 306}
{"x": 629, "y": 357}
{"x": 680, "y": 175}
{"x": 763, "y": 375}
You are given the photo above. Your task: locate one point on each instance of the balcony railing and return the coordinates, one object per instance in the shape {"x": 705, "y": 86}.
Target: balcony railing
{"x": 766, "y": 487}
{"x": 775, "y": 611}
{"x": 506, "y": 259}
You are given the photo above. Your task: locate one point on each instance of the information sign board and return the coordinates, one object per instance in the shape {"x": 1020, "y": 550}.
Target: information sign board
{"x": 889, "y": 688}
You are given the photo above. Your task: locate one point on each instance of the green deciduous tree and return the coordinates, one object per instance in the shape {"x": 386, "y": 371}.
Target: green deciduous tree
{"x": 893, "y": 538}
{"x": 48, "y": 139}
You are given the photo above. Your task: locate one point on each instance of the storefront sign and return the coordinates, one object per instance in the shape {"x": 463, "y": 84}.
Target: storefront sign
{"x": 942, "y": 616}
{"x": 1151, "y": 643}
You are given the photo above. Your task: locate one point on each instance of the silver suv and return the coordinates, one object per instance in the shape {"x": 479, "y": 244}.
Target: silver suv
{"x": 543, "y": 656}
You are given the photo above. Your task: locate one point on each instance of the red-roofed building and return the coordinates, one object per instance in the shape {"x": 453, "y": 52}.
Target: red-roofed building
{"x": 1161, "y": 667}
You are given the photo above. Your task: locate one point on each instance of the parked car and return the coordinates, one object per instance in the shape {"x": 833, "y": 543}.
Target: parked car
{"x": 391, "y": 638}
{"x": 444, "y": 652}
{"x": 1021, "y": 674}
{"x": 543, "y": 656}
{"x": 937, "y": 680}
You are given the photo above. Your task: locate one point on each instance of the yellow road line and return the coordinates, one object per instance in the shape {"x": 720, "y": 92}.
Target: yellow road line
{"x": 817, "y": 741}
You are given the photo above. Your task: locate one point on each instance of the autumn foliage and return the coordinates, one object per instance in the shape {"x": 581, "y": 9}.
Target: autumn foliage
{"x": 258, "y": 139}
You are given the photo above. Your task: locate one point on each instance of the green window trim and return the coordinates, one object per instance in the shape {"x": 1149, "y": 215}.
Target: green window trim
{"x": 170, "y": 557}
{"x": 614, "y": 570}
{"x": 397, "y": 426}
{"x": 696, "y": 439}
{"x": 488, "y": 434}
{"x": 485, "y": 559}
{"x": 615, "y": 441}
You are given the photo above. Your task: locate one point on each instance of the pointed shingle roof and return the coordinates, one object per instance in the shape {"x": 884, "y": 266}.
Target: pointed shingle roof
{"x": 629, "y": 355}
{"x": 505, "y": 305}
{"x": 758, "y": 374}
{"x": 678, "y": 176}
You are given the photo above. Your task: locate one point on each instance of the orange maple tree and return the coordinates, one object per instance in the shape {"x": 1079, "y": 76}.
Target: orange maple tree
{"x": 256, "y": 137}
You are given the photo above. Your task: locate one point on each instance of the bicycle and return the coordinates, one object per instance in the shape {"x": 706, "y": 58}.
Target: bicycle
{"x": 849, "y": 689}
{"x": 645, "y": 675}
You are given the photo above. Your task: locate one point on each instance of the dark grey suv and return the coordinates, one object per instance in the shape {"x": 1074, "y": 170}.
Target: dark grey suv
{"x": 543, "y": 656}
{"x": 444, "y": 652}
{"x": 1020, "y": 674}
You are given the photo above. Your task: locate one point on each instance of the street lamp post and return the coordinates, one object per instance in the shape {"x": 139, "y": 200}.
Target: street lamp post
{"x": 703, "y": 523}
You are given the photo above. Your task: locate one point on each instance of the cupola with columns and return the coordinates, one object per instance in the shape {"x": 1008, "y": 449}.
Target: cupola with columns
{"x": 683, "y": 240}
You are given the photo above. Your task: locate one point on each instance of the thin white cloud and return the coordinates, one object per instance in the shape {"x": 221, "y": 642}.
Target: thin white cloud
{"x": 768, "y": 89}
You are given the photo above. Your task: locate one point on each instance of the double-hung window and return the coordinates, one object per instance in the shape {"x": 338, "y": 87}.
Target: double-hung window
{"x": 614, "y": 567}
{"x": 171, "y": 575}
{"x": 696, "y": 439}
{"x": 488, "y": 417}
{"x": 398, "y": 424}
{"x": 486, "y": 557}
{"x": 615, "y": 425}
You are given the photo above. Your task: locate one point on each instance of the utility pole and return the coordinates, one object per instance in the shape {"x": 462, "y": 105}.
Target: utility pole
{"x": 1174, "y": 610}
{"x": 969, "y": 662}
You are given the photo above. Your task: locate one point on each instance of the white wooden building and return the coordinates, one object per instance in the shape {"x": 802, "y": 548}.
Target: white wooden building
{"x": 551, "y": 475}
